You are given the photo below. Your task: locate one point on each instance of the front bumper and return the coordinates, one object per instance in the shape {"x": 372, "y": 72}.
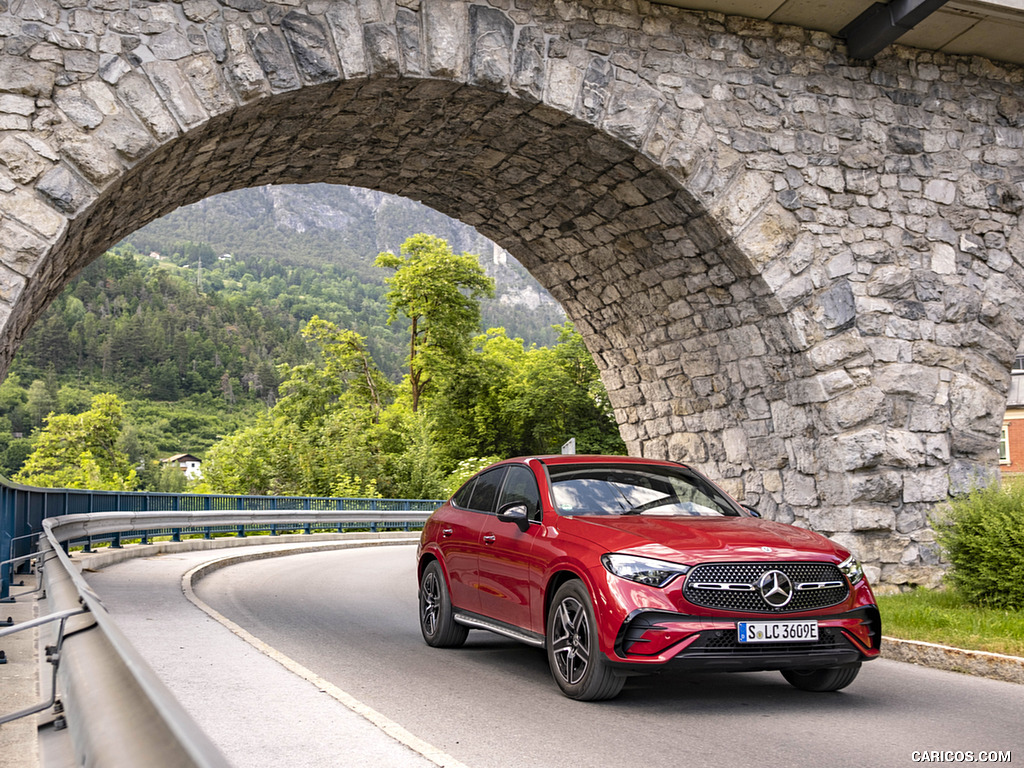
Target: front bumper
{"x": 657, "y": 639}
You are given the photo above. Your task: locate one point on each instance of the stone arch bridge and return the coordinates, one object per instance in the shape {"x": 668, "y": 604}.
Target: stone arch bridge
{"x": 797, "y": 271}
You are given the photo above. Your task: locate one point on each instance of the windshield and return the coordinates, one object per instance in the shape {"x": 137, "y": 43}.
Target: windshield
{"x": 635, "y": 489}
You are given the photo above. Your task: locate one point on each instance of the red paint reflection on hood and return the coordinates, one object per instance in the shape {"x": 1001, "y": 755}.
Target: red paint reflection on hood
{"x": 702, "y": 539}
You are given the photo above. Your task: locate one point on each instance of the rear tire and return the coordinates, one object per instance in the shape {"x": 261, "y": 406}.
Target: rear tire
{"x": 824, "y": 679}
{"x": 574, "y": 654}
{"x": 436, "y": 617}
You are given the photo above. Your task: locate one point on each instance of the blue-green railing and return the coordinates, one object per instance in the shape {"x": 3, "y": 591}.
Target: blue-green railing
{"x": 23, "y": 509}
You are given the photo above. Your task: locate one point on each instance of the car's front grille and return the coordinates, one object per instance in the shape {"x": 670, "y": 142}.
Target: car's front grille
{"x": 735, "y": 586}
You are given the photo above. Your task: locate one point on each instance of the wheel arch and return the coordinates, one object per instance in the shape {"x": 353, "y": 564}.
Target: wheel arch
{"x": 558, "y": 578}
{"x": 426, "y": 558}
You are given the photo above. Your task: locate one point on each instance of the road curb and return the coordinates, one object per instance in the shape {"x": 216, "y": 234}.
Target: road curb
{"x": 996, "y": 666}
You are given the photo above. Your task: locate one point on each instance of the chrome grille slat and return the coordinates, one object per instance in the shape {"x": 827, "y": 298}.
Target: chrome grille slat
{"x": 717, "y": 585}
{"x": 733, "y": 586}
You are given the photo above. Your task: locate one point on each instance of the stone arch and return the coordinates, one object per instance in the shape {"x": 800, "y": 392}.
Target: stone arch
{"x": 797, "y": 271}
{"x": 668, "y": 305}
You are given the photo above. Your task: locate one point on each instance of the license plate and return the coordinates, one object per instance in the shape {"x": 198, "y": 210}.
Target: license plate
{"x": 777, "y": 631}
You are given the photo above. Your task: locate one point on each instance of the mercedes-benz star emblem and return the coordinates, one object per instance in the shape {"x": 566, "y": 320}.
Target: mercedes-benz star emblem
{"x": 775, "y": 587}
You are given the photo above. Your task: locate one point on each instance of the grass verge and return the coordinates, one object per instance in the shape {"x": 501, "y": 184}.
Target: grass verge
{"x": 943, "y": 617}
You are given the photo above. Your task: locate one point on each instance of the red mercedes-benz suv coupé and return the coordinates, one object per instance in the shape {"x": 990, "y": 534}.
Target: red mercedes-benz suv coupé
{"x": 619, "y": 566}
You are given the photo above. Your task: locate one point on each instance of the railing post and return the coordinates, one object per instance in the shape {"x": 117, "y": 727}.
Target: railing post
{"x": 6, "y": 543}
{"x": 7, "y": 530}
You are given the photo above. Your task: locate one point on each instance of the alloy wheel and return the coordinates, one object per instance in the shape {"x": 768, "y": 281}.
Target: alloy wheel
{"x": 430, "y": 603}
{"x": 571, "y": 640}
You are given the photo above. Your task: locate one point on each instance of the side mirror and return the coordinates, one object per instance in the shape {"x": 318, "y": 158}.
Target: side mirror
{"x": 753, "y": 512}
{"x": 517, "y": 513}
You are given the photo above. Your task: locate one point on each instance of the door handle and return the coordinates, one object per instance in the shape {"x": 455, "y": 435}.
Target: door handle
{"x": 446, "y": 532}
{"x": 489, "y": 538}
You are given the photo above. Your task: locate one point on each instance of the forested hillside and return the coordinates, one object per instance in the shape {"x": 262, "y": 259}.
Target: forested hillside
{"x": 319, "y": 226}
{"x": 190, "y": 320}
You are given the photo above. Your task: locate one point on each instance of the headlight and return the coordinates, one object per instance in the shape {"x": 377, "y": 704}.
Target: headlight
{"x": 644, "y": 570}
{"x": 852, "y": 569}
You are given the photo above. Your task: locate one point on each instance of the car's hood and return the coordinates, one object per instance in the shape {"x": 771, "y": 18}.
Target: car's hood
{"x": 702, "y": 539}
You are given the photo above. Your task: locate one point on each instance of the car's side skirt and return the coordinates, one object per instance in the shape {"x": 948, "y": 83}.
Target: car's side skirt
{"x": 475, "y": 621}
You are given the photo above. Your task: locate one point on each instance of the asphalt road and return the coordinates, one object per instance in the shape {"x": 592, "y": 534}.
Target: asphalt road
{"x": 350, "y": 616}
{"x": 259, "y": 713}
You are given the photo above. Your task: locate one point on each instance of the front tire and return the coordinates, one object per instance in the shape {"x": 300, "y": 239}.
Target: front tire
{"x": 822, "y": 680}
{"x": 574, "y": 655}
{"x": 436, "y": 617}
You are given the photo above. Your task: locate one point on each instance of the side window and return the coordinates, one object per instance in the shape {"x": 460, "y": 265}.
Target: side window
{"x": 486, "y": 490}
{"x": 463, "y": 495}
{"x": 521, "y": 488}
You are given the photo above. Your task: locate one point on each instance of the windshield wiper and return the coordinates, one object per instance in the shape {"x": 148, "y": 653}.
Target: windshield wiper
{"x": 652, "y": 505}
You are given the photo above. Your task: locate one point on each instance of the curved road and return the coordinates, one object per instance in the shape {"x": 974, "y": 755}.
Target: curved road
{"x": 350, "y": 616}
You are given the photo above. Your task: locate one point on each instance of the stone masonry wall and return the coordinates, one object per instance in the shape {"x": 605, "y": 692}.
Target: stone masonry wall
{"x": 798, "y": 272}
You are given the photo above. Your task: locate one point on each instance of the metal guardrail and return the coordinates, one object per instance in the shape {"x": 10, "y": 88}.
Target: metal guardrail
{"x": 23, "y": 509}
{"x": 117, "y": 712}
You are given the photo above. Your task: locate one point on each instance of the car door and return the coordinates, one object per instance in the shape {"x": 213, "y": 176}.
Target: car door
{"x": 456, "y": 537}
{"x": 461, "y": 534}
{"x": 508, "y": 573}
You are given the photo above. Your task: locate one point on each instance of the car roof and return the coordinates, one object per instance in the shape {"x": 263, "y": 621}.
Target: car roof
{"x": 573, "y": 458}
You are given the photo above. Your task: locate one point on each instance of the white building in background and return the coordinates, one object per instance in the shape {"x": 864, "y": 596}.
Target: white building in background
{"x": 187, "y": 463}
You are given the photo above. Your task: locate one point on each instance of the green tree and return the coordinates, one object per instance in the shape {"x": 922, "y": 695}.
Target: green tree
{"x": 81, "y": 451}
{"x": 163, "y": 477}
{"x": 406, "y": 453}
{"x": 336, "y": 426}
{"x": 241, "y": 463}
{"x": 18, "y": 450}
{"x": 438, "y": 291}
{"x": 41, "y": 401}
{"x": 73, "y": 399}
{"x": 509, "y": 400}
{"x": 473, "y": 413}
{"x": 323, "y": 433}
{"x": 565, "y": 397}
{"x": 13, "y": 399}
{"x": 348, "y": 376}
